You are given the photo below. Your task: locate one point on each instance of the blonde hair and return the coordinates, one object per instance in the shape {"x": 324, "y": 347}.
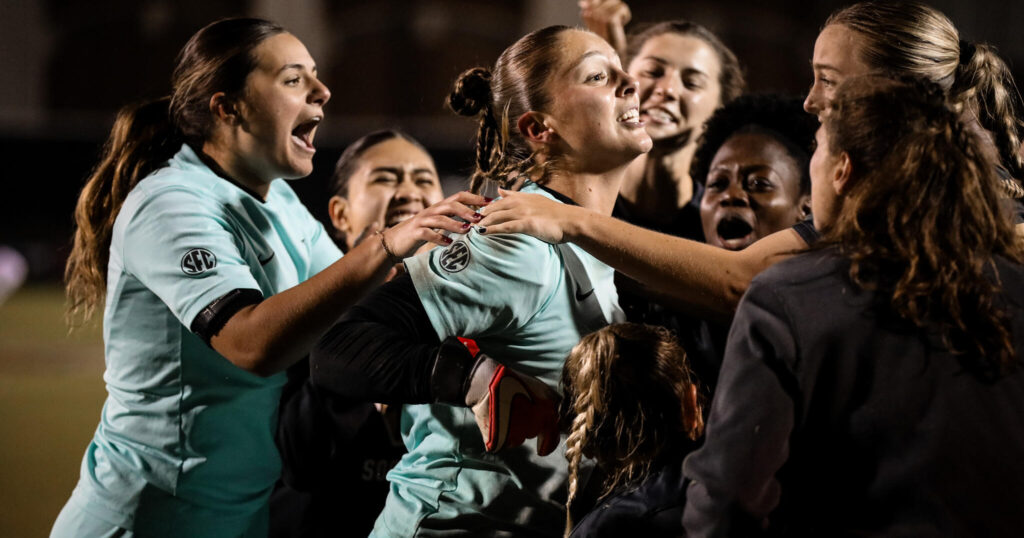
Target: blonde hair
{"x": 914, "y": 39}
{"x": 628, "y": 387}
{"x": 498, "y": 97}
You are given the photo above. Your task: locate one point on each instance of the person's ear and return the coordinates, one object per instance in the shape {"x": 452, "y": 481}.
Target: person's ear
{"x": 804, "y": 206}
{"x": 224, "y": 108}
{"x": 692, "y": 412}
{"x": 841, "y": 174}
{"x": 337, "y": 209}
{"x": 533, "y": 128}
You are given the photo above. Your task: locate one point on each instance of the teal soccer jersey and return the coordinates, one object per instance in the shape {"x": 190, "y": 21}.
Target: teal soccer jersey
{"x": 510, "y": 294}
{"x": 185, "y": 444}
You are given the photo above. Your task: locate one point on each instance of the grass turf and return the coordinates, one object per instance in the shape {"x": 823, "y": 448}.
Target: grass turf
{"x": 51, "y": 393}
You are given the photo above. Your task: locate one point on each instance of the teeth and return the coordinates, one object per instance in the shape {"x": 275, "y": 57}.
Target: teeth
{"x": 659, "y": 115}
{"x": 629, "y": 115}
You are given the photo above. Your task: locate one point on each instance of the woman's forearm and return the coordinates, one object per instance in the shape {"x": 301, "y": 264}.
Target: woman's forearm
{"x": 267, "y": 337}
{"x": 707, "y": 279}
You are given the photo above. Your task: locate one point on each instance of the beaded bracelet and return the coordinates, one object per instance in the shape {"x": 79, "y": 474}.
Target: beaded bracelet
{"x": 391, "y": 254}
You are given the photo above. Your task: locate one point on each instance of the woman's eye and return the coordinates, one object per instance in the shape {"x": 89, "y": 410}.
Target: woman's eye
{"x": 718, "y": 184}
{"x": 385, "y": 179}
{"x": 693, "y": 83}
{"x": 425, "y": 182}
{"x": 759, "y": 183}
{"x": 293, "y": 81}
{"x": 597, "y": 77}
{"x": 653, "y": 73}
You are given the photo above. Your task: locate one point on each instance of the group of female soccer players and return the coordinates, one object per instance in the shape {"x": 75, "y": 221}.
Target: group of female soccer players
{"x": 869, "y": 385}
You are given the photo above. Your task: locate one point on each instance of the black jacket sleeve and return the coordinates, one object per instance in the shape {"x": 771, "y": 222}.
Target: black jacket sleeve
{"x": 382, "y": 350}
{"x": 733, "y": 486}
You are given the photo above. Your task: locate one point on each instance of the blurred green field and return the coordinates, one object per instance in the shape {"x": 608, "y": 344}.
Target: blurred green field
{"x": 51, "y": 392}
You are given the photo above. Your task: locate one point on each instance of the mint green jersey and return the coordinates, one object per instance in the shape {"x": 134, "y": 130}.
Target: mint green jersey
{"x": 510, "y": 293}
{"x": 185, "y": 443}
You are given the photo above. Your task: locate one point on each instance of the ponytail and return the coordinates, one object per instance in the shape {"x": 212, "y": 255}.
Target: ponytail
{"x": 514, "y": 87}
{"x": 140, "y": 141}
{"x": 985, "y": 86}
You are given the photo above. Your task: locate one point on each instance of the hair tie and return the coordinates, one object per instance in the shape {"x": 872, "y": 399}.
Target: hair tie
{"x": 966, "y": 51}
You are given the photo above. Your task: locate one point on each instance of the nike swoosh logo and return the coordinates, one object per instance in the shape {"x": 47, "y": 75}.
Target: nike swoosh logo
{"x": 510, "y": 388}
{"x": 582, "y": 295}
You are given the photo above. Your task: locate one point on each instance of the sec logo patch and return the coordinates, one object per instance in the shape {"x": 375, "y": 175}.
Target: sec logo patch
{"x": 455, "y": 258}
{"x": 198, "y": 261}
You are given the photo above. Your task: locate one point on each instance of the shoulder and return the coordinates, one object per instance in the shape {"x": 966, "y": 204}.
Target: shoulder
{"x": 508, "y": 254}
{"x": 804, "y": 268}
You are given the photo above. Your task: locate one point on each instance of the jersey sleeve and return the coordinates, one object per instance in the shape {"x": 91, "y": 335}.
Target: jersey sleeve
{"x": 323, "y": 250}
{"x": 182, "y": 247}
{"x": 733, "y": 487}
{"x": 482, "y": 285}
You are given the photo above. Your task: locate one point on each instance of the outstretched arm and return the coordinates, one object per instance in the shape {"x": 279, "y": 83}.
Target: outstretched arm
{"x": 707, "y": 279}
{"x": 268, "y": 336}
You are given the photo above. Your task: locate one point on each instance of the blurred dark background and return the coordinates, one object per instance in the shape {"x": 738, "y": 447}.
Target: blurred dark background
{"x": 70, "y": 64}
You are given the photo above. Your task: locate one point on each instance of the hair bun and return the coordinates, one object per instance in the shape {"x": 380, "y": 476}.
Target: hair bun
{"x": 471, "y": 93}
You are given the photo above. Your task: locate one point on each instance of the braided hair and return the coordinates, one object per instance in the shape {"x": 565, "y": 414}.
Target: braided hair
{"x": 498, "y": 97}
{"x": 630, "y": 392}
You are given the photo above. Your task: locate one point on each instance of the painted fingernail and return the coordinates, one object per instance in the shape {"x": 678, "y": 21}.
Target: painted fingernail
{"x": 477, "y": 216}
{"x": 488, "y": 199}
{"x": 481, "y": 229}
{"x": 446, "y": 240}
{"x": 466, "y": 225}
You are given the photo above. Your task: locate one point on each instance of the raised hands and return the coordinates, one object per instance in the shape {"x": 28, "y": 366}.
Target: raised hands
{"x": 426, "y": 226}
{"x": 608, "y": 19}
{"x": 531, "y": 214}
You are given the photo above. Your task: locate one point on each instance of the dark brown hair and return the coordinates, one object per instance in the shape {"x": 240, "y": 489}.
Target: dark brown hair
{"x": 218, "y": 58}
{"x": 628, "y": 388}
{"x": 923, "y": 219}
{"x": 349, "y": 159}
{"x": 730, "y": 78}
{"x": 499, "y": 96}
{"x": 914, "y": 39}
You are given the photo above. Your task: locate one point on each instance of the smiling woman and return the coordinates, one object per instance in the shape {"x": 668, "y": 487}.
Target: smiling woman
{"x": 380, "y": 180}
{"x": 559, "y": 115}
{"x": 179, "y": 230}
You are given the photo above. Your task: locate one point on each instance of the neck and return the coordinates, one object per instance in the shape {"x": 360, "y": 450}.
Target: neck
{"x": 659, "y": 182}
{"x": 592, "y": 191}
{"x": 237, "y": 169}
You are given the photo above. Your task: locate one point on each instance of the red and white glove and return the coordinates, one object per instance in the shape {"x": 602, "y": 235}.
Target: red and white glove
{"x": 510, "y": 407}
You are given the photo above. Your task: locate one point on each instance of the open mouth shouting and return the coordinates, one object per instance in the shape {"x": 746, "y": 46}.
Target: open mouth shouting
{"x": 303, "y": 134}
{"x": 734, "y": 232}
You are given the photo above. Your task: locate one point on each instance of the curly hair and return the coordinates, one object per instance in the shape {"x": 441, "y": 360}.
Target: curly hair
{"x": 782, "y": 118}
{"x": 922, "y": 219}
{"x": 628, "y": 387}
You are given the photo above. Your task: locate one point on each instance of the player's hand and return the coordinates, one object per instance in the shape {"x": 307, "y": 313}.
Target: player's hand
{"x": 511, "y": 407}
{"x": 426, "y": 226}
{"x": 608, "y": 19}
{"x": 531, "y": 214}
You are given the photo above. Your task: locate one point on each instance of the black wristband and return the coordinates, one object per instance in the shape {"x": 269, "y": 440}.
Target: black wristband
{"x": 452, "y": 365}
{"x": 211, "y": 319}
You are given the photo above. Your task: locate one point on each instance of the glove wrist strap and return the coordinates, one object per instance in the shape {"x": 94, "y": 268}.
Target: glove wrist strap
{"x": 451, "y": 373}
